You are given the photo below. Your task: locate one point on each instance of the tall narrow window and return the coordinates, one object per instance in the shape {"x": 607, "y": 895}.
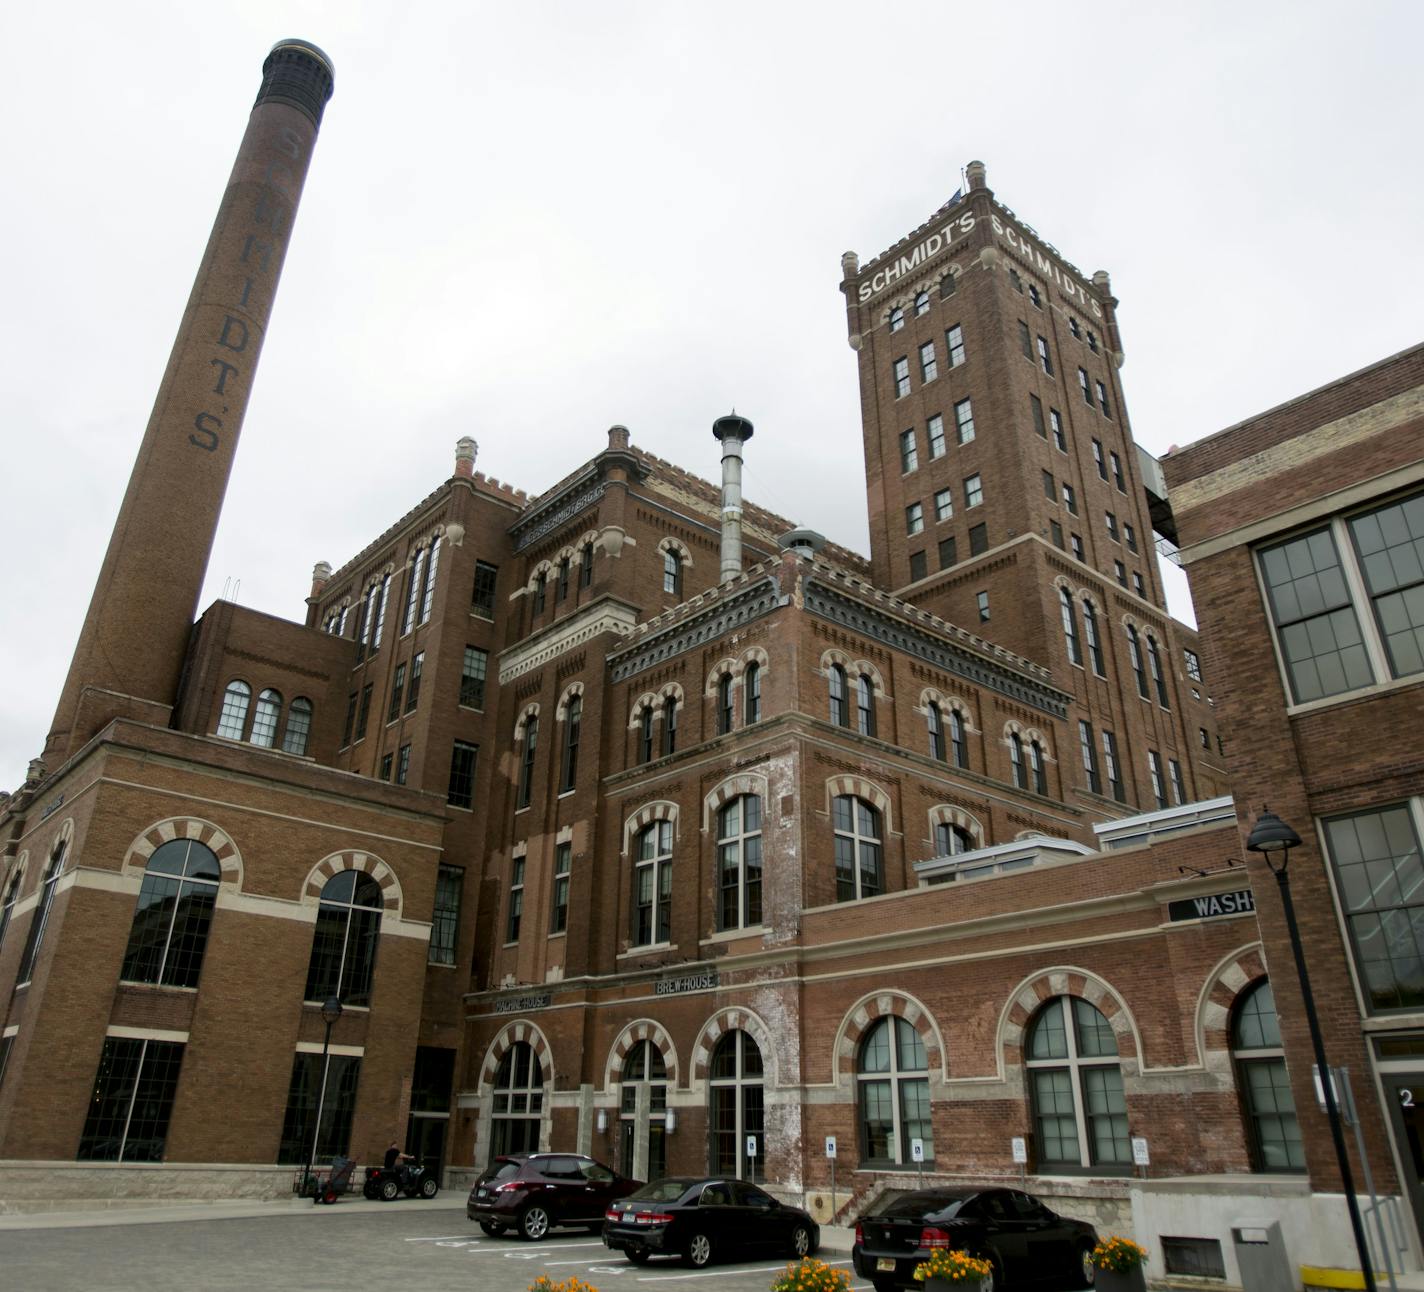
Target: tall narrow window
{"x": 725, "y": 708}
{"x": 751, "y": 694}
{"x": 132, "y": 1101}
{"x": 958, "y": 741}
{"x": 922, "y": 303}
{"x": 363, "y": 625}
{"x": 561, "y": 588}
{"x": 1070, "y": 626}
{"x": 1134, "y": 654}
{"x": 393, "y": 711}
{"x": 1083, "y": 386}
{"x": 403, "y": 765}
{"x": 670, "y": 725}
{"x": 1075, "y": 1085}
{"x": 840, "y": 702}
{"x": 1389, "y": 543}
{"x": 1154, "y": 663}
{"x": 1272, "y": 1130}
{"x": 934, "y": 433}
{"x": 973, "y": 490}
{"x": 482, "y": 595}
{"x": 39, "y": 921}
{"x": 897, "y": 319}
{"x": 445, "y": 920}
{"x": 1036, "y": 765}
{"x": 1016, "y": 760}
{"x": 1099, "y": 461}
{"x": 981, "y": 599}
{"x": 954, "y": 343}
{"x": 1090, "y": 756}
{"x": 427, "y": 598}
{"x": 1103, "y": 399}
{"x": 232, "y": 721}
{"x": 518, "y": 1102}
{"x": 350, "y": 727}
{"x": 541, "y": 591}
{"x": 472, "y": 678}
{"x": 1159, "y": 787}
{"x": 1055, "y": 424}
{"x": 266, "y": 718}
{"x": 936, "y": 724}
{"x": 1025, "y": 340}
{"x": 462, "y": 775}
{"x": 909, "y": 454}
{"x": 645, "y": 734}
{"x": 893, "y": 1093}
{"x": 348, "y": 929}
{"x": 516, "y": 899}
{"x": 859, "y": 865}
{"x": 943, "y": 505}
{"x": 672, "y": 572}
{"x": 914, "y": 518}
{"x": 586, "y": 566}
{"x": 1035, "y": 407}
{"x": 739, "y": 863}
{"x": 644, "y": 1067}
{"x": 417, "y": 667}
{"x": 563, "y": 865}
{"x": 381, "y": 600}
{"x": 573, "y": 718}
{"x": 964, "y": 420}
{"x": 363, "y": 714}
{"x": 929, "y": 365}
{"x": 1112, "y": 766}
{"x": 526, "y": 763}
{"x": 1044, "y": 357}
{"x": 7, "y": 909}
{"x": 652, "y": 886}
{"x": 321, "y": 1102}
{"x": 299, "y": 720}
{"x": 865, "y": 705}
{"x": 1090, "y": 635}
{"x": 412, "y": 593}
{"x": 737, "y": 1112}
{"x": 1179, "y": 790}
{"x": 175, "y": 909}
{"x": 902, "y": 377}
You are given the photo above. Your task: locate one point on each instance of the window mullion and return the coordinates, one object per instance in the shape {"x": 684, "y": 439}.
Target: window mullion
{"x": 1075, "y": 1080}
{"x": 1363, "y": 603}
{"x": 168, "y": 936}
{"x": 133, "y": 1097}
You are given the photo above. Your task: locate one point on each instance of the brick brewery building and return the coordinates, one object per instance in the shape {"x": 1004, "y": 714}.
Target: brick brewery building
{"x": 627, "y": 818}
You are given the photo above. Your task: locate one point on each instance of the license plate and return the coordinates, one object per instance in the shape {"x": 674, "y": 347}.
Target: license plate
{"x": 483, "y": 1193}
{"x": 885, "y": 1263}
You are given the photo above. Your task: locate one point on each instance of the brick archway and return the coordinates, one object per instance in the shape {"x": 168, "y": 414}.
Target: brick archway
{"x": 186, "y": 827}
{"x": 1238, "y": 973}
{"x": 643, "y": 1029}
{"x": 733, "y": 1019}
{"x": 886, "y": 1004}
{"x": 1066, "y": 980}
{"x": 362, "y": 861}
{"x": 510, "y": 1035}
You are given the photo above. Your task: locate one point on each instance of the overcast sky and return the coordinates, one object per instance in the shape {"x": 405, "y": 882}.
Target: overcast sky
{"x": 527, "y": 221}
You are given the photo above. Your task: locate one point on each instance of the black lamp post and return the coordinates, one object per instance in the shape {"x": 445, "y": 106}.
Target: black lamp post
{"x": 1274, "y": 839}
{"x": 330, "y": 1012}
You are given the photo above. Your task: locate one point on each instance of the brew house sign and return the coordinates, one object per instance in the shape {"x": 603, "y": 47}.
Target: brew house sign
{"x": 955, "y": 230}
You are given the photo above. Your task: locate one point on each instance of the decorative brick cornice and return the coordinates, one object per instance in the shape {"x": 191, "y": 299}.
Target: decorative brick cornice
{"x": 721, "y": 614}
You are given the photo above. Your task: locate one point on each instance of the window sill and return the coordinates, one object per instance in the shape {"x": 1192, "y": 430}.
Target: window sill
{"x": 563, "y": 794}
{"x": 345, "y": 1008}
{"x": 647, "y": 949}
{"x": 562, "y": 933}
{"x": 455, "y": 807}
{"x": 157, "y": 986}
{"x": 440, "y": 964}
{"x": 471, "y": 708}
{"x": 730, "y": 935}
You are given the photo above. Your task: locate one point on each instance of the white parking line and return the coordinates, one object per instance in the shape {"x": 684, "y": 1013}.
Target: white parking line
{"x": 722, "y": 1274}
{"x": 445, "y": 1239}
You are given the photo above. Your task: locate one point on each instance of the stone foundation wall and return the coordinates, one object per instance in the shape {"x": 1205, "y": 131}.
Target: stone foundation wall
{"x": 50, "y": 1186}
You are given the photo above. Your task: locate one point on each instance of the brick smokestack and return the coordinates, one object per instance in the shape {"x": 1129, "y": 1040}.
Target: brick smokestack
{"x": 733, "y": 431}
{"x": 130, "y": 653}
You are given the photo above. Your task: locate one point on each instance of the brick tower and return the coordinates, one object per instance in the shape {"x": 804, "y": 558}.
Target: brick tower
{"x": 130, "y": 654}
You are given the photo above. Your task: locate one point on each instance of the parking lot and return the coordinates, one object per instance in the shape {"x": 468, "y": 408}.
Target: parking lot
{"x": 419, "y": 1245}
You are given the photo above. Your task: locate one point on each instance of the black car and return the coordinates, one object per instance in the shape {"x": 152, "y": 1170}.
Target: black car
{"x": 534, "y": 1192}
{"x": 1023, "y": 1240}
{"x": 705, "y": 1219}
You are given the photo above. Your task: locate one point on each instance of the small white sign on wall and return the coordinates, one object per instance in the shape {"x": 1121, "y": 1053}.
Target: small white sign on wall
{"x": 917, "y": 1150}
{"x": 830, "y": 1146}
{"x": 1020, "y": 1147}
{"x": 1139, "y": 1151}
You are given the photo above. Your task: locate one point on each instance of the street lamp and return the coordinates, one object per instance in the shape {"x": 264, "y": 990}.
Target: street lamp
{"x": 330, "y": 1012}
{"x": 1274, "y": 839}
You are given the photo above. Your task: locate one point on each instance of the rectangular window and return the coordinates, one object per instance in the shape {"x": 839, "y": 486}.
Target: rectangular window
{"x": 387, "y": 766}
{"x": 943, "y": 504}
{"x": 1389, "y": 545}
{"x": 1050, "y": 487}
{"x": 946, "y": 553}
{"x": 929, "y": 366}
{"x": 482, "y": 597}
{"x": 1074, "y": 328}
{"x": 1137, "y": 585}
{"x": 1055, "y": 422}
{"x": 1035, "y": 407}
{"x": 472, "y": 678}
{"x": 1055, "y": 531}
{"x": 1070, "y": 499}
{"x": 397, "y": 693}
{"x": 917, "y": 566}
{"x": 914, "y": 518}
{"x": 1179, "y": 790}
{"x": 561, "y": 584}
{"x": 978, "y": 540}
{"x": 973, "y": 490}
{"x": 946, "y": 287}
{"x": 462, "y": 775}
{"x": 1129, "y": 536}
{"x": 563, "y": 865}
{"x": 516, "y": 900}
{"x": 902, "y": 377}
{"x": 364, "y": 715}
{"x": 1084, "y": 387}
{"x": 403, "y": 765}
{"x": 1103, "y": 398}
{"x": 321, "y": 1101}
{"x": 1193, "y": 663}
{"x": 1092, "y": 341}
{"x": 909, "y": 454}
{"x": 1044, "y": 357}
{"x": 1076, "y": 543}
{"x": 1120, "y": 570}
{"x": 445, "y": 922}
{"x": 1099, "y": 460}
{"x": 350, "y": 719}
{"x": 1111, "y": 521}
{"x": 1090, "y": 756}
{"x": 132, "y": 1101}
{"x": 412, "y": 696}
{"x": 934, "y": 429}
{"x": 964, "y": 419}
{"x": 1035, "y": 297}
{"x": 1112, "y": 767}
{"x": 1117, "y": 472}
{"x": 982, "y": 598}
{"x": 1025, "y": 340}
{"x": 954, "y": 345}
{"x": 1159, "y": 788}
{"x": 1016, "y": 280}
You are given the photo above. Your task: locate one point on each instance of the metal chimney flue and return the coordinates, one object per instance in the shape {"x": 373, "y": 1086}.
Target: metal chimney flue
{"x": 733, "y": 431}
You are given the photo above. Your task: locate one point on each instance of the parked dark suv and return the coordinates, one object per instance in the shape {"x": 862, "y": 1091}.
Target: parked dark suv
{"x": 532, "y": 1193}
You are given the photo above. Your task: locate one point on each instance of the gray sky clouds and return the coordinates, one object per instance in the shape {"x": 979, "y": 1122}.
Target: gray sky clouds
{"x": 525, "y": 222}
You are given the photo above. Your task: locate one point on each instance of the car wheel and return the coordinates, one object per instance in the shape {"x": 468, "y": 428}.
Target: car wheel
{"x": 534, "y": 1223}
{"x": 800, "y": 1241}
{"x": 429, "y": 1187}
{"x": 390, "y": 1190}
{"x": 637, "y": 1255}
{"x": 699, "y": 1251}
{"x": 493, "y": 1230}
{"x": 995, "y": 1281}
{"x": 1087, "y": 1271}
{"x": 369, "y": 1190}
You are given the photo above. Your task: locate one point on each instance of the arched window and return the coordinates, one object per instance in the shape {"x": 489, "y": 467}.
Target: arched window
{"x": 734, "y": 1085}
{"x": 1070, "y": 626}
{"x": 958, "y": 745}
{"x": 12, "y": 895}
{"x": 175, "y": 909}
{"x": 412, "y": 596}
{"x": 1016, "y": 760}
{"x": 936, "y": 723}
{"x": 586, "y": 566}
{"x": 232, "y": 721}
{"x": 1272, "y": 1132}
{"x": 892, "y": 1077}
{"x": 299, "y": 720}
{"x": 840, "y": 707}
{"x": 670, "y": 725}
{"x": 724, "y": 704}
{"x": 751, "y": 694}
{"x": 265, "y": 719}
{"x": 573, "y": 717}
{"x": 951, "y": 839}
{"x": 922, "y": 303}
{"x": 897, "y": 319}
{"x": 348, "y": 926}
{"x": 1036, "y": 765}
{"x": 859, "y": 867}
{"x": 865, "y": 705}
{"x": 644, "y": 1067}
{"x": 1090, "y": 632}
{"x": 427, "y": 599}
{"x": 672, "y": 572}
{"x": 1154, "y": 662}
{"x": 645, "y": 734}
{"x": 541, "y": 586}
{"x": 518, "y": 1101}
{"x": 739, "y": 862}
{"x": 526, "y": 763}
{"x": 652, "y": 886}
{"x": 40, "y": 919}
{"x": 1134, "y": 652}
{"x": 562, "y": 588}
{"x": 381, "y": 613}
{"x": 1075, "y": 1083}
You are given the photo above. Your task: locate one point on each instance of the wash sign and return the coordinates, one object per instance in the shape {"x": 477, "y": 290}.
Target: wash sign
{"x": 1205, "y": 908}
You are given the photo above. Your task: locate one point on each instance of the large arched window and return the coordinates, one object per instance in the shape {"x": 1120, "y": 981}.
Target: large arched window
{"x": 652, "y": 886}
{"x": 724, "y": 704}
{"x": 232, "y": 721}
{"x": 1070, "y": 626}
{"x": 751, "y": 694}
{"x": 936, "y": 725}
{"x": 265, "y": 719}
{"x": 40, "y": 919}
{"x": 840, "y": 703}
{"x": 739, "y": 863}
{"x": 864, "y": 705}
{"x": 348, "y": 926}
{"x": 644, "y": 1067}
{"x": 175, "y": 909}
{"x": 734, "y": 1084}
{"x": 299, "y": 720}
{"x": 573, "y": 717}
{"x": 1272, "y": 1131}
{"x": 672, "y": 572}
{"x": 892, "y": 1076}
{"x": 860, "y": 870}
{"x": 1075, "y": 1084}
{"x": 518, "y": 1101}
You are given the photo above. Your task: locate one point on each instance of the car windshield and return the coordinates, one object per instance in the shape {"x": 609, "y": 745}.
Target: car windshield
{"x": 918, "y": 1206}
{"x": 660, "y": 1191}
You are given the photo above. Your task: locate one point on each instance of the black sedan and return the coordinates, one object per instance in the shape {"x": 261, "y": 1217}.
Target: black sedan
{"x": 1025, "y": 1242}
{"x": 707, "y": 1219}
